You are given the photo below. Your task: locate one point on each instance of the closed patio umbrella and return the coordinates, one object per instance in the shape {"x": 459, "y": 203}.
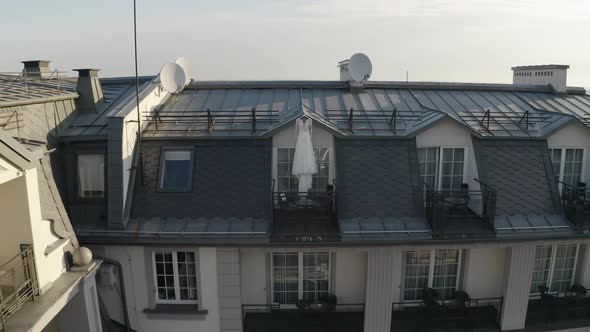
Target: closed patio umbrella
{"x": 304, "y": 165}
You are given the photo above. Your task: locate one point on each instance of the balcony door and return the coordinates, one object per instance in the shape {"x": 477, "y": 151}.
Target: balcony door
{"x": 299, "y": 276}
{"x": 442, "y": 168}
{"x": 287, "y": 182}
{"x": 567, "y": 164}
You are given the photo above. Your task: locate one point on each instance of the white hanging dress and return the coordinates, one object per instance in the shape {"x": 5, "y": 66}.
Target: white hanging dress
{"x": 304, "y": 165}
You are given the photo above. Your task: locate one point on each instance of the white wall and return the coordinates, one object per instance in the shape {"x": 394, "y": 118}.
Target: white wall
{"x": 254, "y": 276}
{"x": 350, "y": 275}
{"x": 287, "y": 138}
{"x": 16, "y": 220}
{"x": 449, "y": 134}
{"x": 137, "y": 289}
{"x": 484, "y": 272}
{"x": 574, "y": 135}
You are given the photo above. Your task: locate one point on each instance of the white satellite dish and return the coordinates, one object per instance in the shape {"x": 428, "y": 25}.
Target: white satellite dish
{"x": 359, "y": 67}
{"x": 186, "y": 66}
{"x": 172, "y": 77}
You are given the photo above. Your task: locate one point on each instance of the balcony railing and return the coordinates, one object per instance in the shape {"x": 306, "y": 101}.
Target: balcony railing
{"x": 473, "y": 314}
{"x": 463, "y": 208}
{"x": 305, "y": 217}
{"x": 564, "y": 308}
{"x": 576, "y": 204}
{"x": 18, "y": 283}
{"x": 285, "y": 318}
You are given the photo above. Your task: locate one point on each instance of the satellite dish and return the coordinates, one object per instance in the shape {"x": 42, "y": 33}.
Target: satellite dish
{"x": 186, "y": 66}
{"x": 360, "y": 67}
{"x": 172, "y": 77}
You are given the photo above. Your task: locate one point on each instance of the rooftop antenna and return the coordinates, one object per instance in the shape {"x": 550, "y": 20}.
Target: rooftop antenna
{"x": 360, "y": 67}
{"x": 137, "y": 91}
{"x": 172, "y": 77}
{"x": 186, "y": 67}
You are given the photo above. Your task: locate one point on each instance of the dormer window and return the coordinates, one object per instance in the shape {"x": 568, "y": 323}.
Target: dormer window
{"x": 176, "y": 168}
{"x": 91, "y": 176}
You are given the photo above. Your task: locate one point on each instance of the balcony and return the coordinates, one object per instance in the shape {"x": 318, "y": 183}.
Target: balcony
{"x": 576, "y": 204}
{"x": 461, "y": 213}
{"x": 481, "y": 314}
{"x": 18, "y": 283}
{"x": 275, "y": 317}
{"x": 304, "y": 217}
{"x": 557, "y": 311}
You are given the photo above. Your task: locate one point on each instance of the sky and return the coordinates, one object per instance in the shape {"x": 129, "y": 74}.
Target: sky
{"x": 430, "y": 40}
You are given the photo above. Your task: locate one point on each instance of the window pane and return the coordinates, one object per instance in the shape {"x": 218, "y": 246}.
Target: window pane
{"x": 316, "y": 273}
{"x": 164, "y": 275}
{"x": 416, "y": 274}
{"x": 541, "y": 267}
{"x": 285, "y": 277}
{"x": 176, "y": 168}
{"x": 91, "y": 175}
{"x": 187, "y": 277}
{"x": 563, "y": 268}
{"x": 287, "y": 182}
{"x": 446, "y": 266}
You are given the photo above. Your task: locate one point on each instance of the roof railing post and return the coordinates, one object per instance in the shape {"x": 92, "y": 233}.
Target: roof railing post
{"x": 157, "y": 118}
{"x": 393, "y": 120}
{"x": 350, "y": 119}
{"x": 253, "y": 120}
{"x": 210, "y": 121}
{"x": 26, "y": 81}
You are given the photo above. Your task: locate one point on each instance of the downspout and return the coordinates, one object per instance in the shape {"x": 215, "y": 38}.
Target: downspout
{"x": 122, "y": 283}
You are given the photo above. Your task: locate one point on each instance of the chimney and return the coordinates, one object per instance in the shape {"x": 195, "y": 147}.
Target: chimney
{"x": 37, "y": 69}
{"x": 89, "y": 89}
{"x": 554, "y": 75}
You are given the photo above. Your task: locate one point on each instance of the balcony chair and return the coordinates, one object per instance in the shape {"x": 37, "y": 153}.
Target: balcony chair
{"x": 459, "y": 305}
{"x": 324, "y": 304}
{"x": 548, "y": 304}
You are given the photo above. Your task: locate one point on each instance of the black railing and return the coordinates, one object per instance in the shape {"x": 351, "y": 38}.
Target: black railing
{"x": 320, "y": 203}
{"x": 18, "y": 283}
{"x": 478, "y": 313}
{"x": 557, "y": 307}
{"x": 287, "y": 318}
{"x": 575, "y": 201}
{"x": 441, "y": 205}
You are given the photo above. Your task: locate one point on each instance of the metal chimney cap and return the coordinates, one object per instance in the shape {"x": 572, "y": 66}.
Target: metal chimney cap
{"x": 87, "y": 72}
{"x": 36, "y": 63}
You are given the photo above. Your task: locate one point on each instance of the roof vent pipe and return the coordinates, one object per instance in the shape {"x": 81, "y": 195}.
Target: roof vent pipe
{"x": 37, "y": 69}
{"x": 90, "y": 90}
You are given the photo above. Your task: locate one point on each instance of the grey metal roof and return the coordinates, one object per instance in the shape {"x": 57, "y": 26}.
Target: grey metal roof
{"x": 117, "y": 92}
{"x": 15, "y": 90}
{"x": 521, "y": 173}
{"x": 488, "y": 110}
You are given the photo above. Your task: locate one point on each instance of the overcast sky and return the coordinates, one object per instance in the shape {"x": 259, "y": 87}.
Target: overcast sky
{"x": 434, "y": 40}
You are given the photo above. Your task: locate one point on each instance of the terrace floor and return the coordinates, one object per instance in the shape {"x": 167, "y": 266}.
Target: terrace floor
{"x": 295, "y": 321}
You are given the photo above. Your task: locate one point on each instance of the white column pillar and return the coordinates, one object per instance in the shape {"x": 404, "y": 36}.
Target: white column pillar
{"x": 82, "y": 312}
{"x": 383, "y": 265}
{"x": 518, "y": 277}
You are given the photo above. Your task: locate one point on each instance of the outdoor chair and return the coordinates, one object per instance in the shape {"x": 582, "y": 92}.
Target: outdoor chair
{"x": 324, "y": 304}
{"x": 459, "y": 305}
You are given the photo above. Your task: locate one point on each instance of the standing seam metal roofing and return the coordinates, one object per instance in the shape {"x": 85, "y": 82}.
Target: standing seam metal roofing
{"x": 487, "y": 110}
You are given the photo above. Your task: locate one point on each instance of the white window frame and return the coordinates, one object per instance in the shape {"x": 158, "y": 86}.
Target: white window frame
{"x": 430, "y": 270}
{"x": 439, "y": 161}
{"x": 552, "y": 266}
{"x": 176, "y": 277}
{"x": 275, "y": 163}
{"x": 299, "y": 273}
{"x": 562, "y": 161}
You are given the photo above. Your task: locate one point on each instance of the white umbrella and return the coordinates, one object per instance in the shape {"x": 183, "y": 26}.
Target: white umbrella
{"x": 304, "y": 166}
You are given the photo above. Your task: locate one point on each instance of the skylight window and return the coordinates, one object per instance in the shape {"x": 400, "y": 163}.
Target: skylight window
{"x": 176, "y": 170}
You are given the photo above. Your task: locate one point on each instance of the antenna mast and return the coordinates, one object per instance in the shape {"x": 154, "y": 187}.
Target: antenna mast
{"x": 137, "y": 91}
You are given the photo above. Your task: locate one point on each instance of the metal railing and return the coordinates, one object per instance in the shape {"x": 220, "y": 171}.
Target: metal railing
{"x": 322, "y": 203}
{"x": 471, "y": 305}
{"x": 18, "y": 283}
{"x": 55, "y": 79}
{"x": 268, "y": 308}
{"x": 575, "y": 203}
{"x": 440, "y": 205}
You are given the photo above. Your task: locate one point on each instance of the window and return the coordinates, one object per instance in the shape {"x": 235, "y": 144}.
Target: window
{"x": 297, "y": 275}
{"x": 567, "y": 164}
{"x": 437, "y": 269}
{"x": 442, "y": 171}
{"x": 176, "y": 170}
{"x": 175, "y": 276}
{"x": 554, "y": 267}
{"x": 91, "y": 176}
{"x": 288, "y": 182}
